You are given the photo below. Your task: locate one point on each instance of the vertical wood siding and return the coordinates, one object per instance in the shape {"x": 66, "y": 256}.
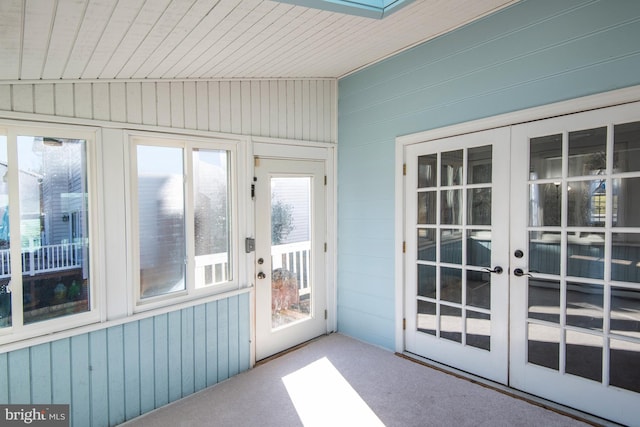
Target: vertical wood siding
{"x": 118, "y": 373}
{"x": 533, "y": 53}
{"x": 291, "y": 109}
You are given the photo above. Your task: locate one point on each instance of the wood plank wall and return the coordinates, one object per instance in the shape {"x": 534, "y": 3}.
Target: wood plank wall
{"x": 118, "y": 373}
{"x": 292, "y": 109}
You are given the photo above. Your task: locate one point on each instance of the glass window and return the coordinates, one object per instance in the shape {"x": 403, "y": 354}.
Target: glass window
{"x": 185, "y": 242}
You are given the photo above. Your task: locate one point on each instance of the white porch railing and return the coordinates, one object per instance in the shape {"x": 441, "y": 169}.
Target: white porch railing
{"x": 295, "y": 258}
{"x": 211, "y": 268}
{"x": 44, "y": 259}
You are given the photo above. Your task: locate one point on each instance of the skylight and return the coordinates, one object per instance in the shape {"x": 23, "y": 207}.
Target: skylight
{"x": 368, "y": 8}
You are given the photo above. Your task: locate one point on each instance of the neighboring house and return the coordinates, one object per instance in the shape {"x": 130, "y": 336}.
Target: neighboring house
{"x": 128, "y": 358}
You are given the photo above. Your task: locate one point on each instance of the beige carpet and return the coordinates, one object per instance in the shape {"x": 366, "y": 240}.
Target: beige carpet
{"x": 338, "y": 381}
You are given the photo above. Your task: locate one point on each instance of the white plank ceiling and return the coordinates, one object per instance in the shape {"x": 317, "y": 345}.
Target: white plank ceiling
{"x": 209, "y": 39}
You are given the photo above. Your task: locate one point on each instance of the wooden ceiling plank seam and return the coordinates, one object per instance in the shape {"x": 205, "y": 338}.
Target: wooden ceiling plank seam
{"x": 217, "y": 41}
{"x": 157, "y": 37}
{"x": 194, "y": 30}
{"x": 208, "y": 41}
{"x": 37, "y": 33}
{"x": 66, "y": 27}
{"x": 119, "y": 23}
{"x": 91, "y": 29}
{"x": 148, "y": 16}
{"x": 237, "y": 45}
{"x": 11, "y": 34}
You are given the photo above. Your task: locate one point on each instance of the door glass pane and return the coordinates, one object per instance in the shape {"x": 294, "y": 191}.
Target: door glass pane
{"x": 479, "y": 330}
{"x": 545, "y": 204}
{"x": 451, "y": 284}
{"x": 479, "y": 289}
{"x": 584, "y": 305}
{"x": 585, "y": 256}
{"x": 427, "y": 317}
{"x": 544, "y": 252}
{"x": 427, "y": 167}
{"x": 161, "y": 220}
{"x": 451, "y": 207}
{"x": 451, "y": 169}
{"x": 427, "y": 281}
{"x": 211, "y": 217}
{"x": 543, "y": 347}
{"x": 479, "y": 206}
{"x": 544, "y": 300}
{"x": 584, "y": 355}
{"x": 290, "y": 250}
{"x": 451, "y": 246}
{"x": 625, "y": 311}
{"x": 625, "y": 365}
{"x": 479, "y": 168}
{"x": 451, "y": 323}
{"x": 54, "y": 230}
{"x": 427, "y": 207}
{"x": 5, "y": 246}
{"x": 587, "y": 152}
{"x": 426, "y": 244}
{"x": 479, "y": 248}
{"x": 545, "y": 157}
{"x": 625, "y": 257}
{"x": 625, "y": 201}
{"x": 586, "y": 203}
{"x": 626, "y": 147}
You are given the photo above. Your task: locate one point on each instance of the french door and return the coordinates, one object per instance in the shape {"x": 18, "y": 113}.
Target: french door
{"x": 561, "y": 217}
{"x": 290, "y": 257}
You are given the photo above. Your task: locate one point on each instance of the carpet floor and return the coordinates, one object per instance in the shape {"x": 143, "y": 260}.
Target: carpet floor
{"x": 338, "y": 381}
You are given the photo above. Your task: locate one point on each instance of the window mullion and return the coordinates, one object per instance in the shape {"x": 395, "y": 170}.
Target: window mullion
{"x": 189, "y": 215}
{"x": 13, "y": 176}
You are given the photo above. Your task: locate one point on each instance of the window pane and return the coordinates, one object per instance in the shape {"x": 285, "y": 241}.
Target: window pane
{"x": 451, "y": 169}
{"x": 546, "y": 157}
{"x": 586, "y": 203}
{"x": 53, "y": 227}
{"x": 479, "y": 330}
{"x": 479, "y": 206}
{"x": 427, "y": 171}
{"x": 451, "y": 207}
{"x": 626, "y": 210}
{"x": 479, "y": 248}
{"x": 161, "y": 220}
{"x": 625, "y": 257}
{"x": 426, "y": 244}
{"x": 5, "y": 268}
{"x": 543, "y": 346}
{"x": 545, "y": 203}
{"x": 587, "y": 152}
{"x": 427, "y": 207}
{"x": 211, "y": 217}
{"x": 479, "y": 168}
{"x": 585, "y": 255}
{"x": 626, "y": 147}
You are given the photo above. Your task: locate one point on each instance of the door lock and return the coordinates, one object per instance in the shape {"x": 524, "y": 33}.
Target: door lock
{"x": 260, "y": 261}
{"x": 261, "y": 275}
{"x": 497, "y": 270}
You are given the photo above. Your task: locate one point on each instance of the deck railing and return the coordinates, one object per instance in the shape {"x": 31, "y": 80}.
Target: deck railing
{"x": 44, "y": 259}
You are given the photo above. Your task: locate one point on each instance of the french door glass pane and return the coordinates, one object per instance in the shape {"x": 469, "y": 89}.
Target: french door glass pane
{"x": 587, "y": 152}
{"x": 451, "y": 168}
{"x": 479, "y": 330}
{"x": 54, "y": 231}
{"x": 426, "y": 244}
{"x": 479, "y": 167}
{"x": 161, "y": 220}
{"x": 290, "y": 250}
{"x": 211, "y": 217}
{"x": 626, "y": 147}
{"x": 624, "y": 364}
{"x": 5, "y": 244}
{"x": 584, "y": 355}
{"x": 427, "y": 169}
{"x": 545, "y": 157}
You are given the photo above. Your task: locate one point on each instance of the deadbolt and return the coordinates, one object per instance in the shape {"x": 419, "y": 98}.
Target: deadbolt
{"x": 518, "y": 253}
{"x": 260, "y": 261}
{"x": 261, "y": 275}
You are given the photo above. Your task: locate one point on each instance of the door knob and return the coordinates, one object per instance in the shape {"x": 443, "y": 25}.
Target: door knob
{"x": 497, "y": 270}
{"x": 518, "y": 272}
{"x": 261, "y": 275}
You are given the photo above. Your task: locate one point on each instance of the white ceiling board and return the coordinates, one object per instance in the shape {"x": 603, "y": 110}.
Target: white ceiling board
{"x": 209, "y": 39}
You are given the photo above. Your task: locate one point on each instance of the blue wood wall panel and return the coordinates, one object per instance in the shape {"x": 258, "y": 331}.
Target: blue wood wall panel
{"x": 115, "y": 374}
{"x": 532, "y": 53}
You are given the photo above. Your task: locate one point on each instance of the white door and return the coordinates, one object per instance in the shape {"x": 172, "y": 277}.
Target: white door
{"x": 457, "y": 252}
{"x": 290, "y": 253}
{"x": 575, "y": 258}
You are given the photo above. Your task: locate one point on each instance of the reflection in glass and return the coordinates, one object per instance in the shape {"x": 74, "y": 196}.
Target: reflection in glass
{"x": 628, "y": 211}
{"x": 544, "y": 252}
{"x": 451, "y": 246}
{"x": 211, "y": 217}
{"x": 427, "y": 166}
{"x": 585, "y": 255}
{"x": 545, "y": 204}
{"x": 451, "y": 169}
{"x": 427, "y": 207}
{"x": 161, "y": 219}
{"x": 587, "y": 152}
{"x": 54, "y": 228}
{"x": 584, "y": 355}
{"x": 624, "y": 365}
{"x": 291, "y": 255}
{"x": 479, "y": 206}
{"x": 626, "y": 147}
{"x": 427, "y": 317}
{"x": 479, "y": 165}
{"x": 479, "y": 289}
{"x": 543, "y": 347}
{"x": 451, "y": 284}
{"x": 544, "y": 300}
{"x": 546, "y": 157}
{"x": 625, "y": 257}
{"x": 586, "y": 203}
{"x": 451, "y": 323}
{"x": 479, "y": 248}
{"x": 5, "y": 246}
{"x": 625, "y": 311}
{"x": 426, "y": 244}
{"x": 584, "y": 305}
{"x": 427, "y": 281}
{"x": 479, "y": 330}
{"x": 451, "y": 207}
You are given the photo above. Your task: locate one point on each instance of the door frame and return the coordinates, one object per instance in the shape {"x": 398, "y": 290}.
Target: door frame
{"x": 284, "y": 149}
{"x": 591, "y": 102}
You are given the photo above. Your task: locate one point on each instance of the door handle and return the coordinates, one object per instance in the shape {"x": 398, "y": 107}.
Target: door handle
{"x": 261, "y": 275}
{"x": 496, "y": 270}
{"x": 518, "y": 272}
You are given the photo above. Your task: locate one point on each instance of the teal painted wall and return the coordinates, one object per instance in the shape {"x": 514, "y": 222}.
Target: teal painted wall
{"x": 118, "y": 373}
{"x": 533, "y": 53}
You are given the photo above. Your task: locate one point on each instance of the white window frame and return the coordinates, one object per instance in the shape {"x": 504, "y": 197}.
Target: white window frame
{"x": 187, "y": 144}
{"x": 18, "y": 330}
